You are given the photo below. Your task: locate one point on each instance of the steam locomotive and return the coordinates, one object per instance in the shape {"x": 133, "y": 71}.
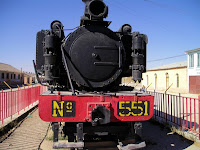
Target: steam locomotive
{"x": 83, "y": 71}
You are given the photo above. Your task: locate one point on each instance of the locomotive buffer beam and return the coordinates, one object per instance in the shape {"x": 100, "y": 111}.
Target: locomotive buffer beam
{"x": 78, "y": 144}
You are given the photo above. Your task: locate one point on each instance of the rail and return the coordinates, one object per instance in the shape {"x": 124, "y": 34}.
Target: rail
{"x": 182, "y": 112}
{"x": 14, "y": 100}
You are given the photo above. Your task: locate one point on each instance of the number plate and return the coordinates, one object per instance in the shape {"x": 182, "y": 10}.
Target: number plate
{"x": 133, "y": 108}
{"x": 63, "y": 108}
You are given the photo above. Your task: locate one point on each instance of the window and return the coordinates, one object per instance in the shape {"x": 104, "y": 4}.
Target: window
{"x": 2, "y": 75}
{"x": 11, "y": 76}
{"x": 177, "y": 80}
{"x": 191, "y": 60}
{"x": 198, "y": 59}
{"x": 18, "y": 76}
{"x": 7, "y": 75}
{"x": 14, "y": 76}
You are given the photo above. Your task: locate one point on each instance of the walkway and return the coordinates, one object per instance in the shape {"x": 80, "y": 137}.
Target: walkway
{"x": 28, "y": 135}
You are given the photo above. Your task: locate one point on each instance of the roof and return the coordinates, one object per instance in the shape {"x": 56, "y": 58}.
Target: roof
{"x": 29, "y": 74}
{"x": 8, "y": 68}
{"x": 193, "y": 50}
{"x": 171, "y": 66}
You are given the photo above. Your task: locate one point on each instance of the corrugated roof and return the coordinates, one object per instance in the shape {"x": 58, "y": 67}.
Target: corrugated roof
{"x": 9, "y": 68}
{"x": 171, "y": 66}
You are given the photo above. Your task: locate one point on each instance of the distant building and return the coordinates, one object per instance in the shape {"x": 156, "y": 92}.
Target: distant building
{"x": 172, "y": 77}
{"x": 10, "y": 75}
{"x": 193, "y": 57}
{"x": 29, "y": 77}
{"x": 14, "y": 77}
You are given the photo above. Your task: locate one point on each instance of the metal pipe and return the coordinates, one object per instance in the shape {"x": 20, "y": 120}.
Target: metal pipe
{"x": 67, "y": 69}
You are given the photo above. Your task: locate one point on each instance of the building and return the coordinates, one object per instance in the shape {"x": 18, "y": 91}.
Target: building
{"x": 29, "y": 78}
{"x": 10, "y": 75}
{"x": 14, "y": 77}
{"x": 171, "y": 78}
{"x": 193, "y": 57}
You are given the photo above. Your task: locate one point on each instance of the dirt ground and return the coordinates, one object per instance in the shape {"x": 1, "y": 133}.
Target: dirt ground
{"x": 31, "y": 132}
{"x": 156, "y": 136}
{"x": 28, "y": 134}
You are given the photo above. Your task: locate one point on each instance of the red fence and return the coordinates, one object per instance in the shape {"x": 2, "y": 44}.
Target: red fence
{"x": 180, "y": 111}
{"x": 13, "y": 101}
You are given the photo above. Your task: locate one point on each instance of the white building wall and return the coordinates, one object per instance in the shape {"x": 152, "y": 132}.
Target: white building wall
{"x": 162, "y": 80}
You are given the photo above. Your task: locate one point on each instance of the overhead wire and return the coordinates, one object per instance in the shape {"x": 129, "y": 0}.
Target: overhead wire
{"x": 120, "y": 5}
{"x": 174, "y": 9}
{"x": 166, "y": 58}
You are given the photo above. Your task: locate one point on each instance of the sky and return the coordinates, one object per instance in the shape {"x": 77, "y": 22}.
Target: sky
{"x": 172, "y": 26}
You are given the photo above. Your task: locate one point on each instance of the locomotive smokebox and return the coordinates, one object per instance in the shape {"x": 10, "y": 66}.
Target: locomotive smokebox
{"x": 100, "y": 115}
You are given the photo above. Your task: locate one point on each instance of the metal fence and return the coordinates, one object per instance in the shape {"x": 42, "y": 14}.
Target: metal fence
{"x": 182, "y": 112}
{"x": 14, "y": 100}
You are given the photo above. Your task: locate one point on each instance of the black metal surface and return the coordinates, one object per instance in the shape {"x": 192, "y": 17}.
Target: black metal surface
{"x": 139, "y": 42}
{"x": 138, "y": 130}
{"x": 100, "y": 115}
{"x": 93, "y": 57}
{"x": 79, "y": 130}
{"x": 55, "y": 128}
{"x": 39, "y": 50}
{"x": 111, "y": 128}
{"x": 67, "y": 70}
{"x": 95, "y": 11}
{"x": 118, "y": 93}
{"x": 36, "y": 73}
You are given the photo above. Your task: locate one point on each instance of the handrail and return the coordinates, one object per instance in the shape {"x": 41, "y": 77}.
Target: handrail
{"x": 168, "y": 87}
{"x": 7, "y": 85}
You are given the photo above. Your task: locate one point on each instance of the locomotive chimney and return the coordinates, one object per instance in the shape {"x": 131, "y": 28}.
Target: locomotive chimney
{"x": 95, "y": 10}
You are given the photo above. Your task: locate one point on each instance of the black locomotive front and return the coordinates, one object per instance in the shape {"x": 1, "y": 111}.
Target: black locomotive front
{"x": 93, "y": 57}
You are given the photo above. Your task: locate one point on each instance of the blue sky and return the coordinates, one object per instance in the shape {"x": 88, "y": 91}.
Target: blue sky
{"x": 172, "y": 26}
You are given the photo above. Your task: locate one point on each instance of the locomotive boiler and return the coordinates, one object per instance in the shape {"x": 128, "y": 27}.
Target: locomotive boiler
{"x": 84, "y": 70}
